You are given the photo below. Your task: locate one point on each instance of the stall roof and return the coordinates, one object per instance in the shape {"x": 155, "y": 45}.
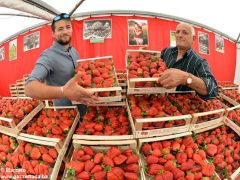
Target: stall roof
{"x": 220, "y": 16}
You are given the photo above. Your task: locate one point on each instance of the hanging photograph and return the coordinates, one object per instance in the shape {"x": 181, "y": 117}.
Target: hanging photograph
{"x": 31, "y": 41}
{"x": 172, "y": 38}
{"x": 137, "y": 32}
{"x": 219, "y": 43}
{"x": 1, "y": 53}
{"x": 13, "y": 50}
{"x": 203, "y": 43}
{"x": 97, "y": 29}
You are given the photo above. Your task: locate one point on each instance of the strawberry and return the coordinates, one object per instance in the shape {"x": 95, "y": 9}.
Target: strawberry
{"x": 190, "y": 176}
{"x": 35, "y": 153}
{"x": 154, "y": 169}
{"x": 75, "y": 166}
{"x": 89, "y": 165}
{"x": 111, "y": 176}
{"x": 98, "y": 158}
{"x": 211, "y": 149}
{"x": 132, "y": 168}
{"x": 156, "y": 145}
{"x": 84, "y": 158}
{"x": 53, "y": 153}
{"x": 57, "y": 130}
{"x": 96, "y": 168}
{"x": 83, "y": 175}
{"x": 120, "y": 159}
{"x": 28, "y": 166}
{"x": 164, "y": 175}
{"x": 28, "y": 148}
{"x": 118, "y": 172}
{"x": 132, "y": 159}
{"x": 181, "y": 157}
{"x": 108, "y": 161}
{"x": 175, "y": 146}
{"x": 130, "y": 176}
{"x": 208, "y": 169}
{"x": 100, "y": 175}
{"x": 202, "y": 154}
{"x": 113, "y": 152}
{"x": 47, "y": 158}
{"x": 88, "y": 150}
{"x": 187, "y": 165}
{"x": 189, "y": 152}
{"x": 177, "y": 173}
{"x": 157, "y": 152}
{"x": 43, "y": 150}
{"x": 151, "y": 159}
{"x": 169, "y": 165}
{"x": 197, "y": 159}
{"x": 146, "y": 149}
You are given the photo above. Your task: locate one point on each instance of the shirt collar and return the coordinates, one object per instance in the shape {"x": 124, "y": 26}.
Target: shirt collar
{"x": 61, "y": 47}
{"x": 187, "y": 53}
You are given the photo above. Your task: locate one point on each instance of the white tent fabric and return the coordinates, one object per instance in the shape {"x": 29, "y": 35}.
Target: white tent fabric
{"x": 220, "y": 15}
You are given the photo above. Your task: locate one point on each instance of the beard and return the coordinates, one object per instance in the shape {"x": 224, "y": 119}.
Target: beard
{"x": 62, "y": 42}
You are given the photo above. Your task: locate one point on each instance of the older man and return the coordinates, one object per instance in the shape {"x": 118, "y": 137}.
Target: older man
{"x": 186, "y": 69}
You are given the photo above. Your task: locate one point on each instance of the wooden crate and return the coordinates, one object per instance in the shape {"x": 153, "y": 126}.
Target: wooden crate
{"x": 131, "y": 82}
{"x": 103, "y": 146}
{"x": 116, "y": 89}
{"x": 15, "y": 129}
{"x": 230, "y": 100}
{"x": 195, "y": 125}
{"x": 62, "y": 144}
{"x": 231, "y": 123}
{"x": 139, "y": 132}
{"x": 53, "y": 172}
{"x": 227, "y": 85}
{"x": 107, "y": 137}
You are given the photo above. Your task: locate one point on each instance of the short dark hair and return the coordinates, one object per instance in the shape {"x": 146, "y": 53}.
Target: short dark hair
{"x": 59, "y": 17}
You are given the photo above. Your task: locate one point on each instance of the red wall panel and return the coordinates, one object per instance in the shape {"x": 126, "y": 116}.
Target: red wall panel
{"x": 222, "y": 64}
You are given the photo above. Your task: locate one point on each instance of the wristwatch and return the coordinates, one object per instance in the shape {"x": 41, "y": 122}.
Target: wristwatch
{"x": 189, "y": 79}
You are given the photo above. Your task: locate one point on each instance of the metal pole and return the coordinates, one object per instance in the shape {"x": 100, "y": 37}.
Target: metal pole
{"x": 74, "y": 9}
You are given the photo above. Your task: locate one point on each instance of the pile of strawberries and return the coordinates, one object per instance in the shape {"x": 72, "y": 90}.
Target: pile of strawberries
{"x": 145, "y": 65}
{"x": 16, "y": 109}
{"x": 222, "y": 149}
{"x": 33, "y": 159}
{"x": 97, "y": 73}
{"x": 234, "y": 115}
{"x": 189, "y": 104}
{"x": 105, "y": 120}
{"x": 226, "y": 84}
{"x": 233, "y": 94}
{"x": 111, "y": 165}
{"x": 179, "y": 158}
{"x": 51, "y": 123}
{"x": 153, "y": 106}
{"x": 7, "y": 145}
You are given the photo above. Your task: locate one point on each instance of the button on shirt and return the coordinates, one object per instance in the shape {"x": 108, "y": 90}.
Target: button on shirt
{"x": 194, "y": 64}
{"x": 56, "y": 65}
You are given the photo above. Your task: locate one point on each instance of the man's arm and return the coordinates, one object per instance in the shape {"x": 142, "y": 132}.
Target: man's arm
{"x": 70, "y": 90}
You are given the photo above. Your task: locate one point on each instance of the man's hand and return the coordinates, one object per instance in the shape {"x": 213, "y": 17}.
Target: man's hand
{"x": 172, "y": 78}
{"x": 75, "y": 92}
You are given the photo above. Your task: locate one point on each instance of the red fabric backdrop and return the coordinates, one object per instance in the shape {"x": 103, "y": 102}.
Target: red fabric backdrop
{"x": 222, "y": 64}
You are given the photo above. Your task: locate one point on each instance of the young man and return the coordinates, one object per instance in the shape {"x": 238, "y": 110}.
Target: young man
{"x": 56, "y": 66}
{"x": 186, "y": 69}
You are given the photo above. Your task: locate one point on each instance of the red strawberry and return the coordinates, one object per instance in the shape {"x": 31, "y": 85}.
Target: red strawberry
{"x": 130, "y": 176}
{"x": 113, "y": 152}
{"x": 189, "y": 152}
{"x": 96, "y": 168}
{"x": 88, "y": 150}
{"x": 118, "y": 172}
{"x": 111, "y": 176}
{"x": 175, "y": 146}
{"x": 120, "y": 159}
{"x": 208, "y": 169}
{"x": 152, "y": 159}
{"x": 84, "y": 158}
{"x": 132, "y": 168}
{"x": 98, "y": 158}
{"x": 164, "y": 175}
{"x": 169, "y": 165}
{"x": 157, "y": 152}
{"x": 53, "y": 152}
{"x": 132, "y": 159}
{"x": 89, "y": 165}
{"x": 202, "y": 154}
{"x": 154, "y": 169}
{"x": 47, "y": 158}
{"x": 187, "y": 165}
{"x": 77, "y": 166}
{"x": 146, "y": 148}
{"x": 190, "y": 176}
{"x": 197, "y": 159}
{"x": 211, "y": 149}
{"x": 181, "y": 157}
{"x": 108, "y": 161}
{"x": 177, "y": 173}
{"x": 198, "y": 176}
{"x": 157, "y": 145}
{"x": 35, "y": 153}
{"x": 100, "y": 175}
{"x": 57, "y": 130}
{"x": 83, "y": 175}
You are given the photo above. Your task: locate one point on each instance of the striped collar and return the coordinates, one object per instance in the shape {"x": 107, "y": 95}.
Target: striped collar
{"x": 187, "y": 53}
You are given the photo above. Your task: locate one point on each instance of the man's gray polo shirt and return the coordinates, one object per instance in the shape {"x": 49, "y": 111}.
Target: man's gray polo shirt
{"x": 55, "y": 66}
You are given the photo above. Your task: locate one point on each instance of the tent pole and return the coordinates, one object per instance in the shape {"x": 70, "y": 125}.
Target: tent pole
{"x": 74, "y": 9}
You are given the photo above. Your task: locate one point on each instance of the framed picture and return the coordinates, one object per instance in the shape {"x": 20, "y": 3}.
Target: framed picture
{"x": 1, "y": 53}
{"x": 98, "y": 29}
{"x": 203, "y": 43}
{"x": 31, "y": 41}
{"x": 13, "y": 50}
{"x": 172, "y": 38}
{"x": 137, "y": 32}
{"x": 219, "y": 43}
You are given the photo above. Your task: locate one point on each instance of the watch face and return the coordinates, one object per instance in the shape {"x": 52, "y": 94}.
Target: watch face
{"x": 189, "y": 80}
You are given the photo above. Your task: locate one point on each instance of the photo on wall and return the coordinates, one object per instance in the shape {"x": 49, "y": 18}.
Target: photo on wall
{"x": 31, "y": 41}
{"x": 203, "y": 43}
{"x": 97, "y": 29}
{"x": 137, "y": 32}
{"x": 13, "y": 50}
{"x": 172, "y": 38}
{"x": 219, "y": 43}
{"x": 1, "y": 53}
